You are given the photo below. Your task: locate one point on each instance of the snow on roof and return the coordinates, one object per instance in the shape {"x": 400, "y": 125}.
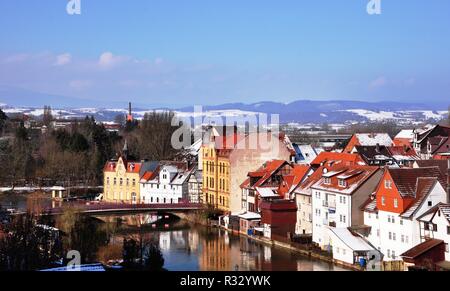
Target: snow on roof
{"x": 406, "y": 134}
{"x": 356, "y": 243}
{"x": 250, "y": 216}
{"x": 266, "y": 192}
{"x": 369, "y": 139}
{"x": 58, "y": 188}
{"x": 332, "y": 173}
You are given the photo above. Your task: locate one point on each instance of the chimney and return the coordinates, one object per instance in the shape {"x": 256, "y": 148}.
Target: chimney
{"x": 130, "y": 114}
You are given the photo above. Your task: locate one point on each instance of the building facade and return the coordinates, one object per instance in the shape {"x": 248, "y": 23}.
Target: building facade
{"x": 400, "y": 198}
{"x": 337, "y": 198}
{"x": 167, "y": 185}
{"x": 121, "y": 181}
{"x": 228, "y": 159}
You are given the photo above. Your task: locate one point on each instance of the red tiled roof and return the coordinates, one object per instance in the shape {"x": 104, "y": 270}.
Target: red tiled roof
{"x": 405, "y": 179}
{"x": 147, "y": 176}
{"x": 269, "y": 168}
{"x": 423, "y": 188}
{"x": 131, "y": 166}
{"x": 402, "y": 151}
{"x": 421, "y": 248}
{"x": 354, "y": 176}
{"x": 228, "y": 142}
{"x": 332, "y": 156}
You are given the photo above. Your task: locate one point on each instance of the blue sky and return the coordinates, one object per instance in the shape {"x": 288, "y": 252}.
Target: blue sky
{"x": 185, "y": 52}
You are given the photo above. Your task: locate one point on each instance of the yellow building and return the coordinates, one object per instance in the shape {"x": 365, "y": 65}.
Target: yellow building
{"x": 121, "y": 180}
{"x": 216, "y": 177}
{"x": 227, "y": 159}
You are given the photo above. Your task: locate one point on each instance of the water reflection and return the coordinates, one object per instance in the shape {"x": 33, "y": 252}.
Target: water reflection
{"x": 187, "y": 247}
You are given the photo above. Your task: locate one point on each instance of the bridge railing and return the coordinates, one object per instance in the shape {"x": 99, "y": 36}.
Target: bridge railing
{"x": 123, "y": 206}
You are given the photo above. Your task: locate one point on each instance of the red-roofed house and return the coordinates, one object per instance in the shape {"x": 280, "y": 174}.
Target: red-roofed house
{"x": 121, "y": 181}
{"x": 337, "y": 197}
{"x": 401, "y": 197}
{"x": 275, "y": 180}
{"x": 343, "y": 158}
{"x": 367, "y": 139}
{"x": 431, "y": 140}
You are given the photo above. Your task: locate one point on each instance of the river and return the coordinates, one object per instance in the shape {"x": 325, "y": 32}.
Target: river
{"x": 188, "y": 247}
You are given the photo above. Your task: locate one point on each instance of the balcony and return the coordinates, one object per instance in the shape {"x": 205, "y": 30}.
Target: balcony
{"x": 329, "y": 204}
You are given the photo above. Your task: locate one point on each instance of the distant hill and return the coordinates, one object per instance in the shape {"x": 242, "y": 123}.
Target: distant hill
{"x": 302, "y": 111}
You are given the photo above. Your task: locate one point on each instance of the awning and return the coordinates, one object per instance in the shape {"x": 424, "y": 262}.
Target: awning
{"x": 250, "y": 216}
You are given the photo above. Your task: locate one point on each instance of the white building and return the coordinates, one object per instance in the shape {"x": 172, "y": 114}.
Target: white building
{"x": 195, "y": 185}
{"x": 338, "y": 196}
{"x": 435, "y": 224}
{"x": 402, "y": 196}
{"x": 349, "y": 247}
{"x": 167, "y": 185}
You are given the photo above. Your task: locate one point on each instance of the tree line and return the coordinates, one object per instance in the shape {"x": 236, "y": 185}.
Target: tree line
{"x": 77, "y": 153}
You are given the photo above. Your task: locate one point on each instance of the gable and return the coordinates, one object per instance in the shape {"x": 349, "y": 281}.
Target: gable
{"x": 386, "y": 196}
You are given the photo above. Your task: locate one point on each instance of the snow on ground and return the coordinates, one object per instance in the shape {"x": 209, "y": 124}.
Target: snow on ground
{"x": 374, "y": 116}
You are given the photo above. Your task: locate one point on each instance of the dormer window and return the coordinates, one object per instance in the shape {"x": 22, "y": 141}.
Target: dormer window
{"x": 388, "y": 184}
{"x": 327, "y": 181}
{"x": 342, "y": 183}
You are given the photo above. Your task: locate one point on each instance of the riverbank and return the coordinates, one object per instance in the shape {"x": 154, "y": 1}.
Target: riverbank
{"x": 311, "y": 254}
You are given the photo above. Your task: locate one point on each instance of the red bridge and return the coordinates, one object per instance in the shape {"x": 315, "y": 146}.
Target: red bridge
{"x": 104, "y": 208}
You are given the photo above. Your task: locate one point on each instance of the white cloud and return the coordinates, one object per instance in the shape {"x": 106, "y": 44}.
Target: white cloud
{"x": 108, "y": 60}
{"x": 378, "y": 83}
{"x": 159, "y": 61}
{"x": 63, "y": 59}
{"x": 16, "y": 58}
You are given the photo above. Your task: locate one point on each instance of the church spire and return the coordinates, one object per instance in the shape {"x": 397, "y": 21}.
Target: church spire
{"x": 125, "y": 150}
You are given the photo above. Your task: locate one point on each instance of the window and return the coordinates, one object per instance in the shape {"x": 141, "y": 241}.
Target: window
{"x": 389, "y": 218}
{"x": 406, "y": 239}
{"x": 134, "y": 182}
{"x": 430, "y": 203}
{"x": 342, "y": 183}
{"x": 388, "y": 184}
{"x": 402, "y": 238}
{"x": 389, "y": 253}
{"x": 446, "y": 248}
{"x": 434, "y": 227}
{"x": 115, "y": 181}
{"x": 401, "y": 221}
{"x": 395, "y": 203}
{"x": 390, "y": 235}
{"x": 383, "y": 200}
{"x": 378, "y": 233}
{"x": 327, "y": 181}
{"x": 393, "y": 219}
{"x": 394, "y": 236}
{"x": 344, "y": 252}
{"x": 121, "y": 181}
{"x": 393, "y": 254}
{"x": 448, "y": 229}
